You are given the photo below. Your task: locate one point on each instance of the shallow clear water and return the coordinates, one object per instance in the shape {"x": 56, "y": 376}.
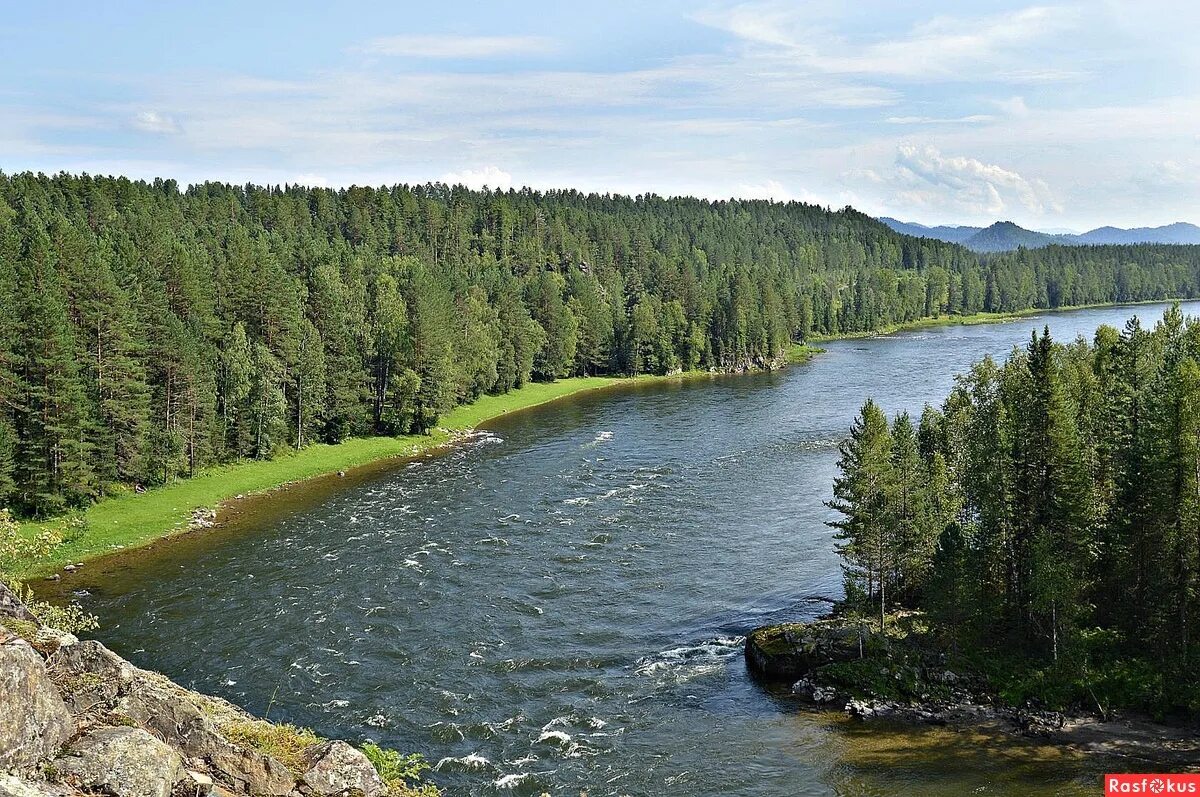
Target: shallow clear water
{"x": 559, "y": 604}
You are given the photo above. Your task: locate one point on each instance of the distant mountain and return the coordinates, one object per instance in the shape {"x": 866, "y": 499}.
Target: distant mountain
{"x": 953, "y": 234}
{"x": 1178, "y": 233}
{"x": 1005, "y": 235}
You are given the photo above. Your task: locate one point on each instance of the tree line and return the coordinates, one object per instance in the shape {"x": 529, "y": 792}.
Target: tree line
{"x": 1049, "y": 512}
{"x": 148, "y": 331}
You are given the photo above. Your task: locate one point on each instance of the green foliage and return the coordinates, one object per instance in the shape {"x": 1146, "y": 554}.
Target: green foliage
{"x": 148, "y": 333}
{"x": 19, "y": 547}
{"x": 401, "y": 773}
{"x": 1062, "y": 494}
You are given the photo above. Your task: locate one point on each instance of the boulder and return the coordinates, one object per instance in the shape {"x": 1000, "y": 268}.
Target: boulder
{"x": 12, "y": 786}
{"x": 11, "y": 606}
{"x": 336, "y": 768}
{"x": 125, "y": 762}
{"x": 34, "y": 722}
{"x": 191, "y": 723}
{"x": 89, "y": 675}
{"x": 94, "y": 679}
{"x": 814, "y": 692}
{"x": 792, "y": 650}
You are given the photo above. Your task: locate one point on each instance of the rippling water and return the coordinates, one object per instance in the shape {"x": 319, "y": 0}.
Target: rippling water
{"x": 559, "y": 603}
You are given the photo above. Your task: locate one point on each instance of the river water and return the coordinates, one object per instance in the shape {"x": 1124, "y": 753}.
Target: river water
{"x": 558, "y": 605}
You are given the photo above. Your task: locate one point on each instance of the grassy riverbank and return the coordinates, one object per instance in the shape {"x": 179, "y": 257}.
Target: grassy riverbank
{"x": 977, "y": 318}
{"x": 129, "y": 519}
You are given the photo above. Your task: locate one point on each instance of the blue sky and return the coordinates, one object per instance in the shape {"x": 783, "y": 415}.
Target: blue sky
{"x": 1054, "y": 116}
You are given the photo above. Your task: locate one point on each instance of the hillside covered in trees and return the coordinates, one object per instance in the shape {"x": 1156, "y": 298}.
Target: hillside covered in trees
{"x": 148, "y": 331}
{"x": 1046, "y": 518}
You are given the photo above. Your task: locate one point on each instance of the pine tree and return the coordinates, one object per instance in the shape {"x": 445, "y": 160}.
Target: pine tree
{"x": 865, "y": 534}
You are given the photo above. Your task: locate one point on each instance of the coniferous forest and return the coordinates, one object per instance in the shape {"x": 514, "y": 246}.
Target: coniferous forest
{"x": 1047, "y": 518}
{"x": 148, "y": 331}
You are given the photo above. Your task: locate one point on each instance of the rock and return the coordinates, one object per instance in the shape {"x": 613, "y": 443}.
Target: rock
{"x": 792, "y": 650}
{"x": 70, "y": 568}
{"x": 814, "y": 692}
{"x": 126, "y": 762}
{"x": 94, "y": 679}
{"x": 12, "y": 786}
{"x": 49, "y": 640}
{"x": 200, "y": 780}
{"x": 191, "y": 723}
{"x": 34, "y": 721}
{"x": 89, "y": 675}
{"x": 336, "y": 768}
{"x": 11, "y": 606}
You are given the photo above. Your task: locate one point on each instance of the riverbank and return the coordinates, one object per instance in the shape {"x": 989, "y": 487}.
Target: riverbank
{"x": 977, "y": 318}
{"x": 906, "y": 675}
{"x": 130, "y": 520}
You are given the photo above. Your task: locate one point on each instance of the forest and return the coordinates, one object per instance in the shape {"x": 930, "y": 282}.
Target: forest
{"x": 148, "y": 331}
{"x": 1047, "y": 517}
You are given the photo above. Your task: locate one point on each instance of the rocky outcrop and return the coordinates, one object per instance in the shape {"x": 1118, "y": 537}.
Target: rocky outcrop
{"x": 903, "y": 678}
{"x": 77, "y": 718}
{"x": 789, "y": 651}
{"x": 122, "y": 761}
{"x": 34, "y": 720}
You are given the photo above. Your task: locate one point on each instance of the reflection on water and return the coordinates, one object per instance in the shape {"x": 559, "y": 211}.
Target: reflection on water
{"x": 559, "y": 604}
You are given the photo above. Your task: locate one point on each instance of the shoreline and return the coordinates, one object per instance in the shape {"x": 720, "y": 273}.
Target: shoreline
{"x": 976, "y": 319}
{"x": 127, "y": 520}
{"x": 821, "y": 665}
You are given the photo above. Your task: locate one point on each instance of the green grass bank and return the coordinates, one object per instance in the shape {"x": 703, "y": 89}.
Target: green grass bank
{"x": 129, "y": 519}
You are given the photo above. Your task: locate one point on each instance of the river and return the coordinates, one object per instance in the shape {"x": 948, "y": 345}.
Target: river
{"x": 559, "y": 604}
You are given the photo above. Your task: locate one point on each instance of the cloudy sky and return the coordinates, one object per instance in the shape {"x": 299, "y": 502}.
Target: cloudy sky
{"x": 1053, "y": 116}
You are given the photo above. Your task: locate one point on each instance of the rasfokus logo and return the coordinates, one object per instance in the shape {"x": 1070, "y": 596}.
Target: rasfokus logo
{"x": 1151, "y": 784}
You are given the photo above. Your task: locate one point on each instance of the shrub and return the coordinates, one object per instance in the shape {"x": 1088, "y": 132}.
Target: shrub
{"x": 397, "y": 769}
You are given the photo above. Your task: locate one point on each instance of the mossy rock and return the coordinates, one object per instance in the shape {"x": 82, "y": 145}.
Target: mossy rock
{"x": 791, "y": 650}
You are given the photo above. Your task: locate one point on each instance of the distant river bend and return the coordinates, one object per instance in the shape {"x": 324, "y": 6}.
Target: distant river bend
{"x": 559, "y": 604}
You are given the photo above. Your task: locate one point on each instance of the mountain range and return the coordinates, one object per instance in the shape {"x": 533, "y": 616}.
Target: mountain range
{"x": 1004, "y": 236}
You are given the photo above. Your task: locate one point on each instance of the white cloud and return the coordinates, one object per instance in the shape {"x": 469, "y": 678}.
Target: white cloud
{"x": 943, "y": 48}
{"x": 490, "y": 176}
{"x": 771, "y": 189}
{"x": 776, "y": 191}
{"x": 444, "y": 46}
{"x": 933, "y": 120}
{"x": 155, "y": 122}
{"x": 1014, "y": 106}
{"x": 922, "y": 177}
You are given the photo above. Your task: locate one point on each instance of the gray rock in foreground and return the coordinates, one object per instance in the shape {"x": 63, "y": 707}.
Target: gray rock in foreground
{"x": 76, "y": 718}
{"x": 121, "y": 761}
{"x": 34, "y": 721}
